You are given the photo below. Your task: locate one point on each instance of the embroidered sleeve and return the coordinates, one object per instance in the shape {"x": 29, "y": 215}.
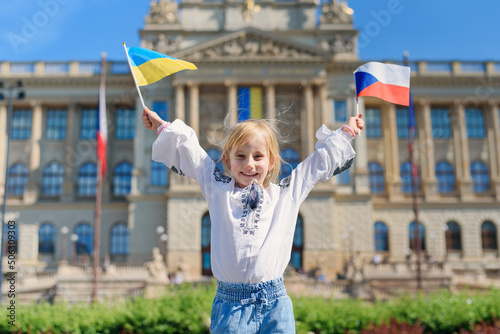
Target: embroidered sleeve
{"x": 333, "y": 155}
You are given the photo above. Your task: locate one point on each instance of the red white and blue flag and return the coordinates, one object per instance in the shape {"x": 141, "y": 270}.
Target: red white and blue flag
{"x": 386, "y": 81}
{"x": 102, "y": 124}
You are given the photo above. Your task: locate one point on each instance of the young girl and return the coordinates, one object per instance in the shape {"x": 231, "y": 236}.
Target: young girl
{"x": 253, "y": 219}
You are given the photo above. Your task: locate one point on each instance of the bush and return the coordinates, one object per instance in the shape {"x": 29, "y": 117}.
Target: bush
{"x": 186, "y": 309}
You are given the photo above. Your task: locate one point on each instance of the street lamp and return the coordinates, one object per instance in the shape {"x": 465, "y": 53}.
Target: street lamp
{"x": 163, "y": 239}
{"x": 74, "y": 239}
{"x": 10, "y": 97}
{"x": 64, "y": 233}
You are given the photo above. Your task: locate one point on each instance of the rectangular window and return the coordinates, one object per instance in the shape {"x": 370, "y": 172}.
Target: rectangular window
{"x": 402, "y": 122}
{"x": 340, "y": 108}
{"x": 56, "y": 124}
{"x": 373, "y": 123}
{"x": 21, "y": 125}
{"x": 440, "y": 119}
{"x": 161, "y": 108}
{"x": 474, "y": 121}
{"x": 125, "y": 124}
{"x": 88, "y": 124}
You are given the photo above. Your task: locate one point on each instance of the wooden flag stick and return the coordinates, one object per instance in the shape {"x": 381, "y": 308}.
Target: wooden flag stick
{"x": 133, "y": 76}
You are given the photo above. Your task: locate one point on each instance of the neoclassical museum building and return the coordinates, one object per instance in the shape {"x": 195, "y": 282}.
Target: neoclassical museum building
{"x": 288, "y": 61}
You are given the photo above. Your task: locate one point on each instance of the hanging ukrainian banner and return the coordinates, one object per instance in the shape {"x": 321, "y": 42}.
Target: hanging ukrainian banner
{"x": 249, "y": 103}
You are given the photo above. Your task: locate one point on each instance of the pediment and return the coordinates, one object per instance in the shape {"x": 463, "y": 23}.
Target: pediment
{"x": 252, "y": 45}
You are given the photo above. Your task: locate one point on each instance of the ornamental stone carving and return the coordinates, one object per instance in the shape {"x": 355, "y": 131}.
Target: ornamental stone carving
{"x": 336, "y": 11}
{"x": 251, "y": 47}
{"x": 338, "y": 44}
{"x": 163, "y": 44}
{"x": 163, "y": 12}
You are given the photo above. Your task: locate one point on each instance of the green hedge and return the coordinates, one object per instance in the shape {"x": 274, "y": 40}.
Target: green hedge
{"x": 185, "y": 309}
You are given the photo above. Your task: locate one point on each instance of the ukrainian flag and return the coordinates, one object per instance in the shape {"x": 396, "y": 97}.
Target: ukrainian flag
{"x": 249, "y": 103}
{"x": 151, "y": 66}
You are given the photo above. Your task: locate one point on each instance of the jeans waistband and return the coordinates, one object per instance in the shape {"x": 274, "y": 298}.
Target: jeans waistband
{"x": 251, "y": 293}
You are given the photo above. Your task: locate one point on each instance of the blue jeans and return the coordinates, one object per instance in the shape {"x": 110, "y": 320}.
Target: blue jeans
{"x": 252, "y": 308}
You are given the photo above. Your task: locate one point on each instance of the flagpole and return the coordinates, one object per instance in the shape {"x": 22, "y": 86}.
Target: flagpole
{"x": 98, "y": 197}
{"x": 133, "y": 76}
{"x": 414, "y": 178}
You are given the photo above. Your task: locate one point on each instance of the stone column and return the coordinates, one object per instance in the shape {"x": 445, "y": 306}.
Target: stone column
{"x": 179, "y": 101}
{"x": 31, "y": 192}
{"x": 270, "y": 95}
{"x": 194, "y": 105}
{"x": 393, "y": 176}
{"x": 493, "y": 133}
{"x": 323, "y": 97}
{"x": 307, "y": 120}
{"x": 232, "y": 101}
{"x": 71, "y": 160}
{"x": 3, "y": 146}
{"x": 361, "y": 175}
{"x": 462, "y": 156}
{"x": 426, "y": 148}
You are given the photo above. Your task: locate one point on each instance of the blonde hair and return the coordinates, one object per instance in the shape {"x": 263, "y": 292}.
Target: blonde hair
{"x": 241, "y": 133}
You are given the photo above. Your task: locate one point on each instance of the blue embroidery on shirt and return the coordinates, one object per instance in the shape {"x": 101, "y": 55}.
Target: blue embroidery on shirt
{"x": 285, "y": 183}
{"x": 347, "y": 165}
{"x": 252, "y": 198}
{"x": 180, "y": 172}
{"x": 221, "y": 177}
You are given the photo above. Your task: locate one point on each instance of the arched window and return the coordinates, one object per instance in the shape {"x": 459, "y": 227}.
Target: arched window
{"x": 377, "y": 180}
{"x": 120, "y": 241}
{"x": 18, "y": 177}
{"x": 291, "y": 159}
{"x": 46, "y": 239}
{"x": 298, "y": 244}
{"x": 87, "y": 179}
{"x": 381, "y": 237}
{"x": 158, "y": 174}
{"x": 53, "y": 178}
{"x": 406, "y": 173}
{"x": 85, "y": 242}
{"x": 413, "y": 236}
{"x": 480, "y": 177}
{"x": 445, "y": 177}
{"x": 217, "y": 157}
{"x": 122, "y": 179}
{"x": 206, "y": 224}
{"x": 489, "y": 236}
{"x": 453, "y": 237}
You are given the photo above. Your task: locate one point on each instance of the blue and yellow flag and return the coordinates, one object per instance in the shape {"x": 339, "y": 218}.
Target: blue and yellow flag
{"x": 151, "y": 66}
{"x": 249, "y": 103}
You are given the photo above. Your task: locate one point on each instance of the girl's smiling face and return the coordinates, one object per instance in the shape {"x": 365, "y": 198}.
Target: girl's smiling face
{"x": 250, "y": 162}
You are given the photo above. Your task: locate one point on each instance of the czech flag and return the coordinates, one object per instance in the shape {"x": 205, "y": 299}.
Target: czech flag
{"x": 386, "y": 81}
{"x": 151, "y": 66}
{"x": 102, "y": 123}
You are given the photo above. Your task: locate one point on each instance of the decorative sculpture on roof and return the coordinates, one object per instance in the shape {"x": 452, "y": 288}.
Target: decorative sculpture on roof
{"x": 163, "y": 12}
{"x": 336, "y": 11}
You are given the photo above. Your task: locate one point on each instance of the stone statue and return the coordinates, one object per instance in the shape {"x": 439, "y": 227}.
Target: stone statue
{"x": 156, "y": 268}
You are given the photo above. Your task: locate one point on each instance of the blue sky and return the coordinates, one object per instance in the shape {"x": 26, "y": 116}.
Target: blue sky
{"x": 37, "y": 30}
